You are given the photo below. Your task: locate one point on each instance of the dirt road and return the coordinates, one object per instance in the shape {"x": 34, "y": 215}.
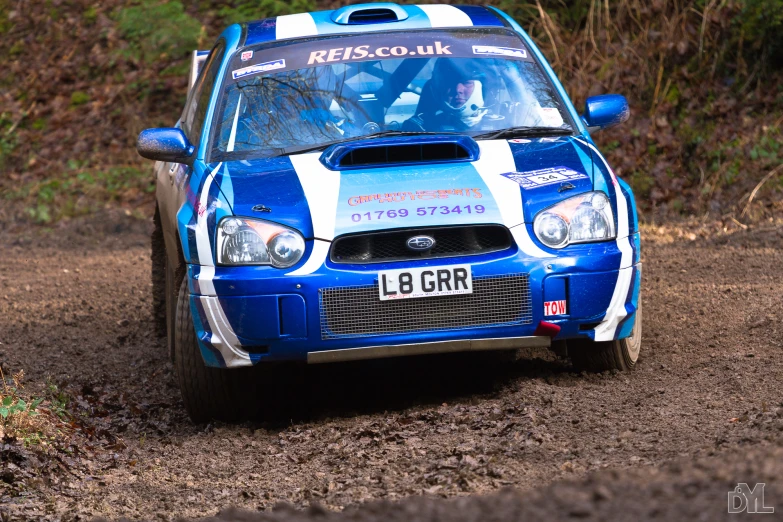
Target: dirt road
{"x": 74, "y": 306}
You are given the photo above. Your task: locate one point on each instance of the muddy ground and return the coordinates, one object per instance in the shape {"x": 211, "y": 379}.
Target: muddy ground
{"x": 703, "y": 410}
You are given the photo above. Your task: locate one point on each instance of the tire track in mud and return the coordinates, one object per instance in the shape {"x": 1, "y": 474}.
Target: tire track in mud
{"x": 78, "y": 310}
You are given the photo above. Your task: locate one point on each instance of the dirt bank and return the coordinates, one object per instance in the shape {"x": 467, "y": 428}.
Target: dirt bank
{"x": 74, "y": 306}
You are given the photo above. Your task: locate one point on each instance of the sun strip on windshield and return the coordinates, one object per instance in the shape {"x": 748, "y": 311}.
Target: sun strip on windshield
{"x": 381, "y": 46}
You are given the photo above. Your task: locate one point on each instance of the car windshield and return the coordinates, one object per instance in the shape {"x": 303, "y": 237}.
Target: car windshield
{"x": 318, "y": 92}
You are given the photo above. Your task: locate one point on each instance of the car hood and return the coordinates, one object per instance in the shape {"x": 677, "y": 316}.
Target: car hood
{"x": 511, "y": 181}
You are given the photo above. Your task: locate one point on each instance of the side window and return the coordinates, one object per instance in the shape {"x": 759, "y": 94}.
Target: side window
{"x": 198, "y": 101}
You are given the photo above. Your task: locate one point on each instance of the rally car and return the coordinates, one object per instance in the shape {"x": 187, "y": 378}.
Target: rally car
{"x": 380, "y": 181}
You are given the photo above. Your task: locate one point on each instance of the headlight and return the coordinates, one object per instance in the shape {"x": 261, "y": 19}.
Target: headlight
{"x": 243, "y": 241}
{"x": 580, "y": 219}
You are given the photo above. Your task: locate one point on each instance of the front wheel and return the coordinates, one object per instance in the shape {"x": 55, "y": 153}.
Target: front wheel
{"x": 208, "y": 393}
{"x": 621, "y": 354}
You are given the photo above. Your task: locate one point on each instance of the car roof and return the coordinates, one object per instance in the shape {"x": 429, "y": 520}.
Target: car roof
{"x": 364, "y": 18}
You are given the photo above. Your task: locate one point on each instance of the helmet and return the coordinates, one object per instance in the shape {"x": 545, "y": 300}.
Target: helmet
{"x": 451, "y": 71}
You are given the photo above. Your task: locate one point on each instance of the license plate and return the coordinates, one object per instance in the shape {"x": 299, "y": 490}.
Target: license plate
{"x": 408, "y": 283}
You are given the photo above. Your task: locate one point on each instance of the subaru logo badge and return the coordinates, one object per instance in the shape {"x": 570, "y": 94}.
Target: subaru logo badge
{"x": 420, "y": 243}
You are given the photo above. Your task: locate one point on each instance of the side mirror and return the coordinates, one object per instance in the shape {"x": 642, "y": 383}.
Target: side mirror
{"x": 166, "y": 144}
{"x": 605, "y": 111}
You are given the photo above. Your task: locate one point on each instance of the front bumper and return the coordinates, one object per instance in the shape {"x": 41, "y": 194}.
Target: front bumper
{"x": 258, "y": 313}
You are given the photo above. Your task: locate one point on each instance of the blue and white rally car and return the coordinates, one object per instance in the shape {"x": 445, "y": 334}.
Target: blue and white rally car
{"x": 386, "y": 180}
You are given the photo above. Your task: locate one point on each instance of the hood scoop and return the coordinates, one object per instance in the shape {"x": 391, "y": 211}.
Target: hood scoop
{"x": 400, "y": 151}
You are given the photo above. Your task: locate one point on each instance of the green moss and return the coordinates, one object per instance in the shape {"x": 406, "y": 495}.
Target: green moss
{"x": 7, "y": 141}
{"x": 158, "y": 31}
{"x": 78, "y": 190}
{"x": 90, "y": 15}
{"x": 16, "y": 49}
{"x": 5, "y": 23}
{"x": 673, "y": 96}
{"x": 79, "y": 98}
{"x": 641, "y": 183}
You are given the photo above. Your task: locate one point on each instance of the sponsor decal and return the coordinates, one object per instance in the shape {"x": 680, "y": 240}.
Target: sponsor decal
{"x": 340, "y": 54}
{"x": 397, "y": 197}
{"x": 413, "y": 197}
{"x": 543, "y": 177}
{"x": 554, "y": 308}
{"x": 246, "y": 55}
{"x": 519, "y": 140}
{"x": 258, "y": 68}
{"x": 499, "y": 51}
{"x": 551, "y": 117}
{"x": 198, "y": 207}
{"x": 402, "y": 213}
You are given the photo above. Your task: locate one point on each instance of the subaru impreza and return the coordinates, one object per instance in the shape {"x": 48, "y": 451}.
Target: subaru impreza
{"x": 382, "y": 181}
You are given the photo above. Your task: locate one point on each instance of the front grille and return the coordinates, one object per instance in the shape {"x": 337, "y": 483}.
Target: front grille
{"x": 386, "y": 246}
{"x": 353, "y": 311}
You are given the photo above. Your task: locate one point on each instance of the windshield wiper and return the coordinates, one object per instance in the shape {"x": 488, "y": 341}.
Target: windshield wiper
{"x": 525, "y": 132}
{"x": 301, "y": 149}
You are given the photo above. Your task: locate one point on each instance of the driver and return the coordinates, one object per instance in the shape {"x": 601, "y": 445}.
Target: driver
{"x": 453, "y": 99}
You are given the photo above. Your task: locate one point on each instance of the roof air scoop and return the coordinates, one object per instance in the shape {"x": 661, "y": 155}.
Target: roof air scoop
{"x": 363, "y": 14}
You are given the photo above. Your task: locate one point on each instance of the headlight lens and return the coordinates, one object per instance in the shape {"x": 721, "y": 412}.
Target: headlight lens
{"x": 286, "y": 248}
{"x": 243, "y": 241}
{"x": 580, "y": 219}
{"x": 552, "y": 230}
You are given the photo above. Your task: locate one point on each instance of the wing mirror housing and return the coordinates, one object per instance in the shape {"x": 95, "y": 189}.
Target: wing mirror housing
{"x": 605, "y": 111}
{"x": 165, "y": 144}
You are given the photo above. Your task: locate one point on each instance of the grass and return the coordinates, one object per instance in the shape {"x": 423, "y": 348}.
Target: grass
{"x": 79, "y": 190}
{"x": 20, "y": 417}
{"x": 7, "y": 138}
{"x": 158, "y": 31}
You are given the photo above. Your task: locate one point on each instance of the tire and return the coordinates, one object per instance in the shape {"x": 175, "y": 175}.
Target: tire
{"x": 158, "y": 275}
{"x": 621, "y": 354}
{"x": 208, "y": 393}
{"x": 174, "y": 278}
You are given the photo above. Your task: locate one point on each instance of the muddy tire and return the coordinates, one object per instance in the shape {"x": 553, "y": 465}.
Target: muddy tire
{"x": 208, "y": 393}
{"x": 158, "y": 273}
{"x": 620, "y": 355}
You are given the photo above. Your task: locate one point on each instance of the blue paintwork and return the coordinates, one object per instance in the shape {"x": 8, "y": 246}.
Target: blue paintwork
{"x": 166, "y": 144}
{"x": 606, "y": 110}
{"x": 591, "y": 268}
{"x": 272, "y": 183}
{"x": 481, "y": 16}
{"x": 550, "y": 152}
{"x": 262, "y": 31}
{"x": 265, "y": 306}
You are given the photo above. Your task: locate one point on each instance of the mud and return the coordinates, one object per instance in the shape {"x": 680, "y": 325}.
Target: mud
{"x": 75, "y": 309}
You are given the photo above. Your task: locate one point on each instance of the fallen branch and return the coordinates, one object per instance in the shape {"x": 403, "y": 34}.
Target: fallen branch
{"x": 22, "y": 116}
{"x": 760, "y": 184}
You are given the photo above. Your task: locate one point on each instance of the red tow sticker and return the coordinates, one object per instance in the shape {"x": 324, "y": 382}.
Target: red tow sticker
{"x": 554, "y": 308}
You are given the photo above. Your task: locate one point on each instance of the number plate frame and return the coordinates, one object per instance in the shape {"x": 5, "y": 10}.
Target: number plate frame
{"x": 429, "y": 281}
